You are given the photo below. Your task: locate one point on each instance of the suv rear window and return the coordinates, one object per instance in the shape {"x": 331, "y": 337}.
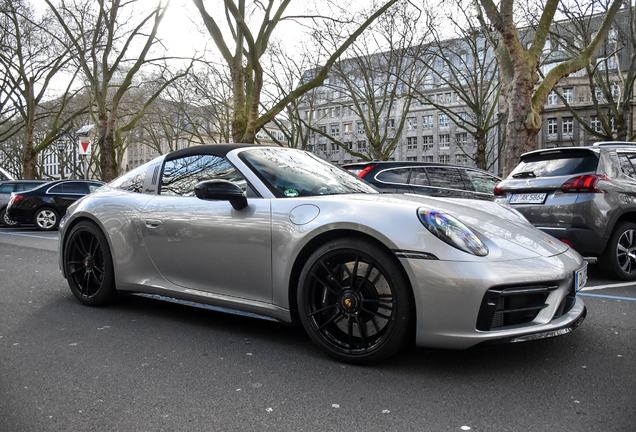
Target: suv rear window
{"x": 559, "y": 164}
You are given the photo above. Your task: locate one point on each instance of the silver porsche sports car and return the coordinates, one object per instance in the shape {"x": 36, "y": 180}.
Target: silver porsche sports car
{"x": 279, "y": 234}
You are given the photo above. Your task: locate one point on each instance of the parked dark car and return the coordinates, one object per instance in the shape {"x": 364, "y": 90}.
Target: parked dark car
{"x": 442, "y": 180}
{"x": 43, "y": 206}
{"x": 6, "y": 189}
{"x": 583, "y": 196}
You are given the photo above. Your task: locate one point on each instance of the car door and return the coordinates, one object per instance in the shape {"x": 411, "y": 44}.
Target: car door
{"x": 208, "y": 245}
{"x": 62, "y": 195}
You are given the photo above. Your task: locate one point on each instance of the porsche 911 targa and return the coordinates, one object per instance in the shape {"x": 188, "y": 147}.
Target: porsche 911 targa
{"x": 279, "y": 234}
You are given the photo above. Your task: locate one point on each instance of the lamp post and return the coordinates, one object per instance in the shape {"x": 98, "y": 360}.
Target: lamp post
{"x": 61, "y": 146}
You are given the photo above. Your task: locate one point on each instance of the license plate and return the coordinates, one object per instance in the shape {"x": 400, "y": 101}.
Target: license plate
{"x": 580, "y": 278}
{"x": 528, "y": 198}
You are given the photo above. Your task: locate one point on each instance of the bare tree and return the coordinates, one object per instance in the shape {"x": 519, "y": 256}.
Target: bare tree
{"x": 31, "y": 56}
{"x": 112, "y": 41}
{"x": 467, "y": 66}
{"x": 244, "y": 58}
{"x": 377, "y": 83}
{"x": 525, "y": 94}
{"x": 611, "y": 77}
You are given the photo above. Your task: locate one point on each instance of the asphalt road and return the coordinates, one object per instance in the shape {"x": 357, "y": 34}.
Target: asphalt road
{"x": 144, "y": 365}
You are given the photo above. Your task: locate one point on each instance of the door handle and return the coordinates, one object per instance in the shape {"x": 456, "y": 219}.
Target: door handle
{"x": 153, "y": 223}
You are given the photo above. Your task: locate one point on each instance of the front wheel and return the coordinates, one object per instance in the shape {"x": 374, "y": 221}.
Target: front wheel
{"x": 619, "y": 258}
{"x": 355, "y": 301}
{"x": 88, "y": 265}
{"x": 46, "y": 219}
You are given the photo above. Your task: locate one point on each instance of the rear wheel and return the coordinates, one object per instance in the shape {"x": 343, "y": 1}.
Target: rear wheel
{"x": 88, "y": 265}
{"x": 6, "y": 222}
{"x": 355, "y": 301}
{"x": 619, "y": 258}
{"x": 46, "y": 219}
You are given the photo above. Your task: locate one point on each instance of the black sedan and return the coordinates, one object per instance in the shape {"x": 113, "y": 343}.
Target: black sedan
{"x": 44, "y": 205}
{"x": 432, "y": 179}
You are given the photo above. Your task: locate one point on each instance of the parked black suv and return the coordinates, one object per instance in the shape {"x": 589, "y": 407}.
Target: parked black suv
{"x": 583, "y": 196}
{"x": 442, "y": 180}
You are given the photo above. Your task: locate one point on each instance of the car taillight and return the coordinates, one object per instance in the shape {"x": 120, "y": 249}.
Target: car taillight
{"x": 366, "y": 171}
{"x": 583, "y": 184}
{"x": 15, "y": 198}
{"x": 498, "y": 190}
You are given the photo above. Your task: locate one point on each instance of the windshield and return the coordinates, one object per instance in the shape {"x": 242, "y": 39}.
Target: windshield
{"x": 291, "y": 173}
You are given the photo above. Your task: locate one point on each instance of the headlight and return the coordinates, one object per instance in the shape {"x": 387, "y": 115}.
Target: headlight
{"x": 453, "y": 232}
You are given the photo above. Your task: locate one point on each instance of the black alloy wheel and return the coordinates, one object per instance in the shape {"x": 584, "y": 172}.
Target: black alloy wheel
{"x": 6, "y": 221}
{"x": 355, "y": 301}
{"x": 89, "y": 265}
{"x": 619, "y": 259}
{"x": 46, "y": 219}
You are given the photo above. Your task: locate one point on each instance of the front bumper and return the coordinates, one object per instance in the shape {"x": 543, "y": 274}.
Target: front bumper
{"x": 450, "y": 298}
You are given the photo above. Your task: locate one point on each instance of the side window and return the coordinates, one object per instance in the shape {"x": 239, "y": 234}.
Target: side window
{"x": 627, "y": 162}
{"x": 92, "y": 187}
{"x": 75, "y": 188}
{"x": 399, "y": 176}
{"x": 482, "y": 182}
{"x": 419, "y": 177}
{"x": 446, "y": 178}
{"x": 6, "y": 188}
{"x": 57, "y": 189}
{"x": 180, "y": 176}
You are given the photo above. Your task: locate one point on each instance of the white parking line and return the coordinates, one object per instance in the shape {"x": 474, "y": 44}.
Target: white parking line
{"x": 28, "y": 235}
{"x": 616, "y": 285}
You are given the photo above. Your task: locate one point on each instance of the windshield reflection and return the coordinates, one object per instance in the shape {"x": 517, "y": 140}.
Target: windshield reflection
{"x": 291, "y": 173}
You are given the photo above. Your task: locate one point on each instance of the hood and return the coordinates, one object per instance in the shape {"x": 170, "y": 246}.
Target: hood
{"x": 500, "y": 224}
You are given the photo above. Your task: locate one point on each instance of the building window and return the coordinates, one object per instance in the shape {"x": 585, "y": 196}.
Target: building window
{"x": 449, "y": 98}
{"x": 427, "y": 122}
{"x": 552, "y": 98}
{"x": 616, "y": 92}
{"x": 444, "y": 158}
{"x": 552, "y": 128}
{"x": 362, "y": 145}
{"x": 349, "y": 145}
{"x": 567, "y": 125}
{"x": 322, "y": 149}
{"x": 411, "y": 158}
{"x": 411, "y": 143}
{"x": 348, "y": 128}
{"x": 444, "y": 141}
{"x": 440, "y": 99}
{"x": 335, "y": 130}
{"x": 461, "y": 159}
{"x": 427, "y": 142}
{"x": 444, "y": 121}
{"x": 390, "y": 125}
{"x": 335, "y": 149}
{"x": 411, "y": 123}
{"x": 461, "y": 138}
{"x": 428, "y": 159}
{"x": 568, "y": 94}
{"x": 360, "y": 128}
{"x": 595, "y": 124}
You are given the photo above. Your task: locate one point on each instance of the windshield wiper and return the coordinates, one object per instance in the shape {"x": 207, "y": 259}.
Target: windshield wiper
{"x": 525, "y": 174}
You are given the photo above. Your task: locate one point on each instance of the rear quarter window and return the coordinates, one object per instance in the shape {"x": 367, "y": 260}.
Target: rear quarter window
{"x": 398, "y": 176}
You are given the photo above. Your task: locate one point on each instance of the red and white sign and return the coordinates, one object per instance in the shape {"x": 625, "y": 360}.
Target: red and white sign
{"x": 84, "y": 146}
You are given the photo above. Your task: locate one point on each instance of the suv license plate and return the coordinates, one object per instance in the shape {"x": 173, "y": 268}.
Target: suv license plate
{"x": 580, "y": 278}
{"x": 528, "y": 198}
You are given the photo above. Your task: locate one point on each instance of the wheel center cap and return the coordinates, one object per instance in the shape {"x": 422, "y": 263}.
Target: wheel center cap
{"x": 88, "y": 262}
{"x": 350, "y": 301}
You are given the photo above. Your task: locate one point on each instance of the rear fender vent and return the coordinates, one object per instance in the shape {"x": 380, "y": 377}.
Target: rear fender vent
{"x": 503, "y": 307}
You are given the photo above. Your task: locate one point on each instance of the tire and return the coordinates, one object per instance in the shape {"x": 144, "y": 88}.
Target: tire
{"x": 6, "y": 222}
{"x": 361, "y": 319}
{"x": 618, "y": 261}
{"x": 46, "y": 219}
{"x": 88, "y": 265}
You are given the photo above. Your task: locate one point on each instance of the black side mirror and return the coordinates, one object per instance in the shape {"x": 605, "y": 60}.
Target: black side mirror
{"x": 221, "y": 190}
